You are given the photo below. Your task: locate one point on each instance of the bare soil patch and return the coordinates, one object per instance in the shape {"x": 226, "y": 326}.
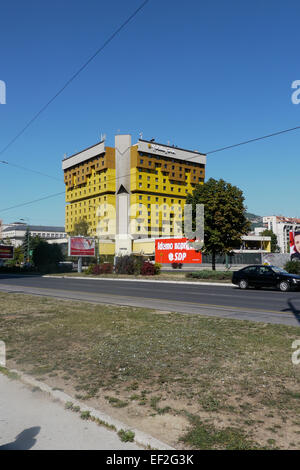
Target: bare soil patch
{"x": 193, "y": 382}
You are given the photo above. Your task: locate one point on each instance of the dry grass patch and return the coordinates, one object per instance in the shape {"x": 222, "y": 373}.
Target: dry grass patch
{"x": 215, "y": 383}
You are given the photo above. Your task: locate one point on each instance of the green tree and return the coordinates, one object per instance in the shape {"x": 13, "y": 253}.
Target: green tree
{"x": 270, "y": 233}
{"x": 224, "y": 216}
{"x": 81, "y": 228}
{"x": 26, "y": 245}
{"x": 46, "y": 256}
{"x": 5, "y": 241}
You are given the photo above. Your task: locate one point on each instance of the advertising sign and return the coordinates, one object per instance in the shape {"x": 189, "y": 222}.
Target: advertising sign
{"x": 175, "y": 250}
{"x": 81, "y": 246}
{"x": 6, "y": 252}
{"x": 295, "y": 245}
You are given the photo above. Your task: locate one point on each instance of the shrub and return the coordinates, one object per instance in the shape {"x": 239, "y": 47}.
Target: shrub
{"x": 177, "y": 265}
{"x": 157, "y": 268}
{"x": 292, "y": 267}
{"x": 148, "y": 269}
{"x": 17, "y": 269}
{"x": 206, "y": 274}
{"x": 126, "y": 436}
{"x": 96, "y": 269}
{"x": 128, "y": 264}
{"x": 89, "y": 270}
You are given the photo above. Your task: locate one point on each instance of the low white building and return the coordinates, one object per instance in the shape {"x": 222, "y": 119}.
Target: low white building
{"x": 15, "y": 232}
{"x": 254, "y": 243}
{"x": 282, "y": 226}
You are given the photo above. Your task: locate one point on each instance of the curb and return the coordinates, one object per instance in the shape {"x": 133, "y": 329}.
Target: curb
{"x": 140, "y": 438}
{"x": 225, "y": 284}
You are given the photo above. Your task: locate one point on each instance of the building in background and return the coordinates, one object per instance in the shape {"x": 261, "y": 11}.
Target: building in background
{"x": 255, "y": 243}
{"x": 282, "y": 226}
{"x": 15, "y": 232}
{"x": 130, "y": 194}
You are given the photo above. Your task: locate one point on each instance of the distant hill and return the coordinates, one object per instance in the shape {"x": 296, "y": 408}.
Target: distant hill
{"x": 256, "y": 220}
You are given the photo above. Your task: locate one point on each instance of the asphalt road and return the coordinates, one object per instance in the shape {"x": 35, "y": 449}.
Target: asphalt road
{"x": 269, "y": 306}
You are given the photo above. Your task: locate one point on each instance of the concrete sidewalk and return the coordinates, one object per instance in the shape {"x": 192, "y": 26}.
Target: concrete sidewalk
{"x": 31, "y": 420}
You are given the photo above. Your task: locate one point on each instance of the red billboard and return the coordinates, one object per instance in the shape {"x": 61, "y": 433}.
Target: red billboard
{"x": 6, "y": 252}
{"x": 175, "y": 250}
{"x": 81, "y": 246}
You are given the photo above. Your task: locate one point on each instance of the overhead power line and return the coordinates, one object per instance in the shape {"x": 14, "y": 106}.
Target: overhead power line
{"x": 267, "y": 136}
{"x": 32, "y": 202}
{"x": 30, "y": 170}
{"x": 191, "y": 158}
{"x": 253, "y": 140}
{"x": 110, "y": 38}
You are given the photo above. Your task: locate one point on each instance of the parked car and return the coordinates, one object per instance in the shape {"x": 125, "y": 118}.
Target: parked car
{"x": 265, "y": 276}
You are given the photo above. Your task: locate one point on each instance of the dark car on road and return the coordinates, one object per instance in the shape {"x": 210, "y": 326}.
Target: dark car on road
{"x": 265, "y": 276}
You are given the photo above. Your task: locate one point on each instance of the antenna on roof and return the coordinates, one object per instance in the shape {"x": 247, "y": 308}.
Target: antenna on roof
{"x": 141, "y": 135}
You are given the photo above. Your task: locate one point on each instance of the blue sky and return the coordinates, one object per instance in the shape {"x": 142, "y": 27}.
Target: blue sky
{"x": 201, "y": 75}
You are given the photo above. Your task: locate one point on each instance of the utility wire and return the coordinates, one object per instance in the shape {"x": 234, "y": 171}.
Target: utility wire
{"x": 253, "y": 140}
{"x": 111, "y": 37}
{"x": 191, "y": 158}
{"x": 32, "y": 202}
{"x": 30, "y": 170}
{"x": 221, "y": 149}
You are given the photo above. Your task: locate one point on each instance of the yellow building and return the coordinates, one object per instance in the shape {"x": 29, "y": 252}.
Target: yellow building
{"x": 130, "y": 194}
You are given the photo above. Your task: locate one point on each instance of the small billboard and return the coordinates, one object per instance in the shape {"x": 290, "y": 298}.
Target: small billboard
{"x": 6, "y": 252}
{"x": 176, "y": 250}
{"x": 81, "y": 246}
{"x": 295, "y": 245}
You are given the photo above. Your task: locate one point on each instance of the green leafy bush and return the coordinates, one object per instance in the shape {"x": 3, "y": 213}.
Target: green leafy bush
{"x": 128, "y": 264}
{"x": 206, "y": 274}
{"x": 157, "y": 268}
{"x": 126, "y": 436}
{"x": 292, "y": 267}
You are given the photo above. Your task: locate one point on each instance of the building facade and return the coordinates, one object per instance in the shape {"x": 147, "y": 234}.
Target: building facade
{"x": 130, "y": 194}
{"x": 282, "y": 226}
{"x": 15, "y": 233}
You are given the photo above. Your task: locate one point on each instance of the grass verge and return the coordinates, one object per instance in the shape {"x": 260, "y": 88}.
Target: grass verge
{"x": 191, "y": 381}
{"x": 205, "y": 275}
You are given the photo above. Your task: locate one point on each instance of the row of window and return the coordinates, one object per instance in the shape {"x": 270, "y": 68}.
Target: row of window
{"x": 169, "y": 159}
